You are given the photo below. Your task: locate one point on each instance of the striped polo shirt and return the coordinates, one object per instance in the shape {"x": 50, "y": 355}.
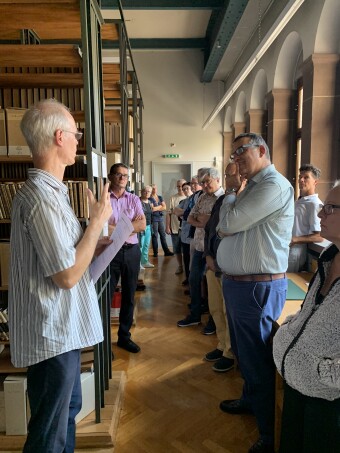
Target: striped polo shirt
{"x": 45, "y": 320}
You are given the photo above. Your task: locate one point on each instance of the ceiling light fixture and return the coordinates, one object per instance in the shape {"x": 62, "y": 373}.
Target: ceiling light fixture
{"x": 281, "y": 21}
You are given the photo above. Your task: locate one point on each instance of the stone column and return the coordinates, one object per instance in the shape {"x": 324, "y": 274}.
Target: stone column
{"x": 256, "y": 120}
{"x": 238, "y": 128}
{"x": 227, "y": 147}
{"x": 320, "y": 119}
{"x": 281, "y": 131}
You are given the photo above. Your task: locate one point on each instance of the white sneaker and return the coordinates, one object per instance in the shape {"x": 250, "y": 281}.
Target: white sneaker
{"x": 179, "y": 270}
{"x": 141, "y": 267}
{"x": 148, "y": 264}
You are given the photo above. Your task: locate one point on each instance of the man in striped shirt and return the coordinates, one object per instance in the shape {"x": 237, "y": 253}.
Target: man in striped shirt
{"x": 256, "y": 227}
{"x": 53, "y": 306}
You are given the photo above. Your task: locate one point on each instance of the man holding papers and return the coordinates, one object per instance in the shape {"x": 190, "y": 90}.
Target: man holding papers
{"x": 125, "y": 265}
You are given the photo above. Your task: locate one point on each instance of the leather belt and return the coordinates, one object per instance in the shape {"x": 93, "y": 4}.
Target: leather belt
{"x": 255, "y": 277}
{"x": 128, "y": 246}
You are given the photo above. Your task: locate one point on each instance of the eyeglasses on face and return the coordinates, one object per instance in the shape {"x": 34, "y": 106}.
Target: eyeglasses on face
{"x": 121, "y": 175}
{"x": 241, "y": 149}
{"x": 206, "y": 182}
{"x": 329, "y": 208}
{"x": 77, "y": 134}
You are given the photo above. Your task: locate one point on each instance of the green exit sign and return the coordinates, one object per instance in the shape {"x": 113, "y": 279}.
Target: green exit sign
{"x": 171, "y": 156}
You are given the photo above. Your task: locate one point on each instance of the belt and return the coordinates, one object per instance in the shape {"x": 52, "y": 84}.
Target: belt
{"x": 127, "y": 245}
{"x": 255, "y": 277}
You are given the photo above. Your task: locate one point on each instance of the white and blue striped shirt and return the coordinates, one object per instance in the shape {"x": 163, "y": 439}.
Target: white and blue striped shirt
{"x": 45, "y": 320}
{"x": 260, "y": 221}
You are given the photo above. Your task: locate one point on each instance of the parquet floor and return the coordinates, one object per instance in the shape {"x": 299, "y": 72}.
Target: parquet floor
{"x": 171, "y": 395}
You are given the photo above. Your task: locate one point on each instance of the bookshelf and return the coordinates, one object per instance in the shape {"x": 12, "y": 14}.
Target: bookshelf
{"x": 65, "y": 63}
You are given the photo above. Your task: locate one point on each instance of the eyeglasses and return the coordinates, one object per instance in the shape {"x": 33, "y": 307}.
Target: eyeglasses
{"x": 208, "y": 181}
{"x": 329, "y": 208}
{"x": 241, "y": 149}
{"x": 121, "y": 175}
{"x": 78, "y": 135}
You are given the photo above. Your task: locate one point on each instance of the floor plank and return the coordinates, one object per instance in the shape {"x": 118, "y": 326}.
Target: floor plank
{"x": 172, "y": 395}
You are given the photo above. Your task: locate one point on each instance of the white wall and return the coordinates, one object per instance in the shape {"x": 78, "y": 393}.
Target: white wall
{"x": 176, "y": 105}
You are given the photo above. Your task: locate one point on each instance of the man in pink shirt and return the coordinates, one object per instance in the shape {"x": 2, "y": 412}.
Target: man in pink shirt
{"x": 125, "y": 265}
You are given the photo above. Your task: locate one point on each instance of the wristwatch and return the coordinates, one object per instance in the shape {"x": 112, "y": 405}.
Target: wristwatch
{"x": 232, "y": 190}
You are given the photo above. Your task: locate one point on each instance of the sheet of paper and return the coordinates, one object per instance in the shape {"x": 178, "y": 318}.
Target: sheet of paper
{"x": 119, "y": 235}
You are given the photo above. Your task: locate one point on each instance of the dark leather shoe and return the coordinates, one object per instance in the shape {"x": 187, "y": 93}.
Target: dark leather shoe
{"x": 235, "y": 407}
{"x": 128, "y": 345}
{"x": 261, "y": 447}
{"x": 168, "y": 253}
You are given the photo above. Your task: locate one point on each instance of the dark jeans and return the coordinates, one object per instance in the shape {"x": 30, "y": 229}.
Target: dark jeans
{"x": 186, "y": 259}
{"x": 195, "y": 281}
{"x": 158, "y": 228}
{"x": 252, "y": 307}
{"x": 126, "y": 266}
{"x": 309, "y": 425}
{"x": 54, "y": 393}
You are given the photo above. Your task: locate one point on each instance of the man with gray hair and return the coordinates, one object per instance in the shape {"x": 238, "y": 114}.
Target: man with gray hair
{"x": 198, "y": 217}
{"x": 52, "y": 301}
{"x": 256, "y": 227}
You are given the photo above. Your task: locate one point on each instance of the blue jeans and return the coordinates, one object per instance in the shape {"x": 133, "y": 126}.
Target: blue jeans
{"x": 195, "y": 279}
{"x": 144, "y": 243}
{"x": 54, "y": 393}
{"x": 252, "y": 307}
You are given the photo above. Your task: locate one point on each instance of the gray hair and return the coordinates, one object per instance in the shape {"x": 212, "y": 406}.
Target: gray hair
{"x": 212, "y": 172}
{"x": 201, "y": 172}
{"x": 256, "y": 140}
{"x": 40, "y": 123}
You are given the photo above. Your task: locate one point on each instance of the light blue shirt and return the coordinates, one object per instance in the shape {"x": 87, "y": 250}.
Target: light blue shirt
{"x": 45, "y": 320}
{"x": 260, "y": 221}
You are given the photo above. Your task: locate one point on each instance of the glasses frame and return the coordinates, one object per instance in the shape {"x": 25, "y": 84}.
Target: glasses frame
{"x": 241, "y": 149}
{"x": 121, "y": 175}
{"x": 330, "y": 208}
{"x": 78, "y": 135}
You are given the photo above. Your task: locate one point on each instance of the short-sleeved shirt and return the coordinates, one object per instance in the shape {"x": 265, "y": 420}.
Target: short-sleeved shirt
{"x": 174, "y": 220}
{"x": 45, "y": 320}
{"x": 128, "y": 203}
{"x": 204, "y": 205}
{"x": 157, "y": 216}
{"x": 306, "y": 220}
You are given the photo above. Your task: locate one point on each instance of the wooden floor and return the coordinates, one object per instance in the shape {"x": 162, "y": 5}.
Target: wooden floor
{"x": 171, "y": 394}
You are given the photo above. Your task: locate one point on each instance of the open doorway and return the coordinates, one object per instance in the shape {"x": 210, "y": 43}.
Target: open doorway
{"x": 165, "y": 176}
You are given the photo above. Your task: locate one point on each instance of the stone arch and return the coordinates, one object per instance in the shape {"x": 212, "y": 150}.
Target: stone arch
{"x": 289, "y": 59}
{"x": 259, "y": 91}
{"x": 228, "y": 119}
{"x": 240, "y": 109}
{"x": 327, "y": 37}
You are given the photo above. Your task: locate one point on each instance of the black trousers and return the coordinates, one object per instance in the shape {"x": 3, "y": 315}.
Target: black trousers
{"x": 309, "y": 425}
{"x": 125, "y": 265}
{"x": 186, "y": 259}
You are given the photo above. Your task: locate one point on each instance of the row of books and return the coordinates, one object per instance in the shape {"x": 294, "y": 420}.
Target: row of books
{"x": 76, "y": 189}
{"x": 78, "y": 198}
{"x": 15, "y": 171}
{"x": 25, "y": 97}
{"x": 4, "y": 325}
{"x": 112, "y": 133}
{"x": 7, "y": 192}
